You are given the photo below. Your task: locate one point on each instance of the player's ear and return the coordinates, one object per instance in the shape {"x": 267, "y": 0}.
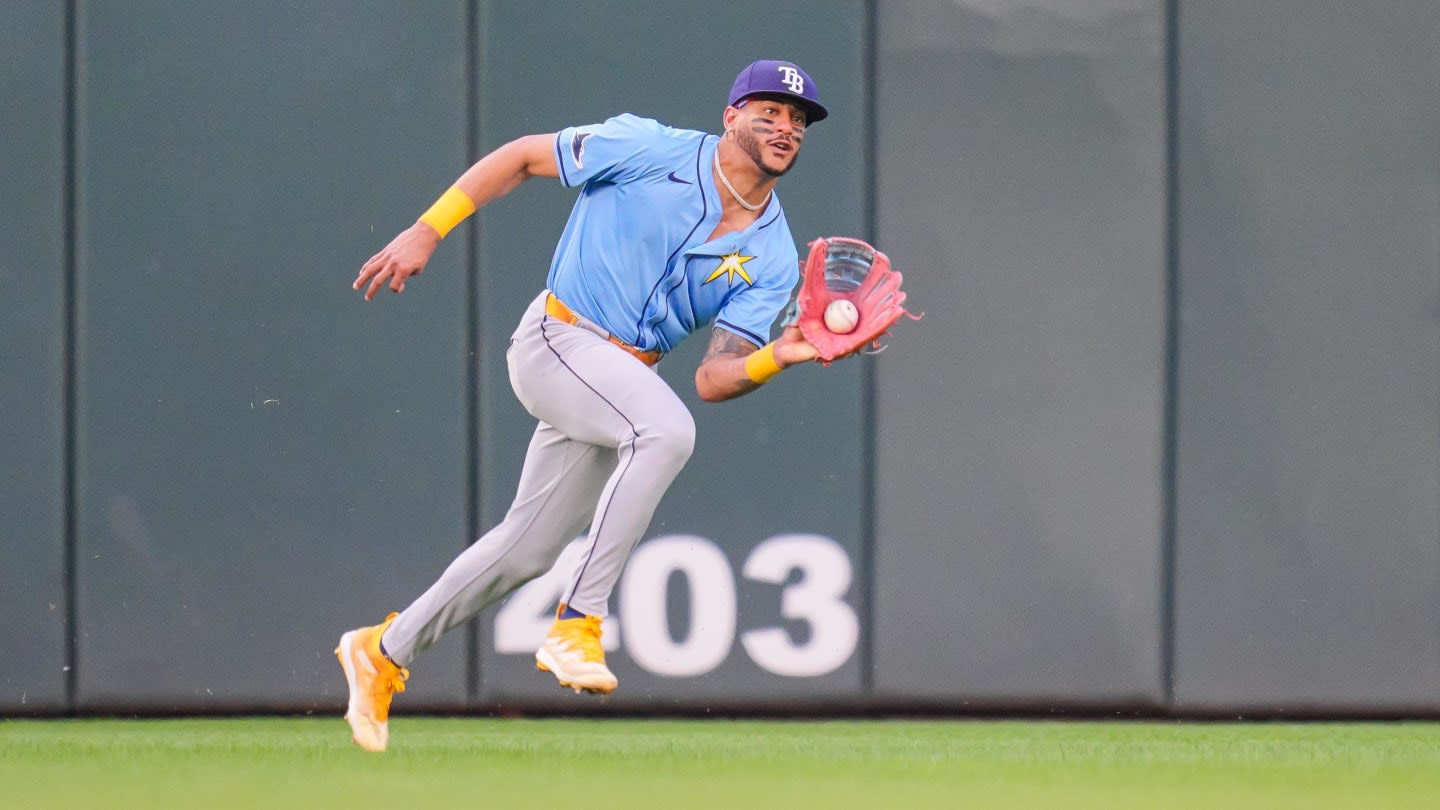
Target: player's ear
{"x": 728, "y": 117}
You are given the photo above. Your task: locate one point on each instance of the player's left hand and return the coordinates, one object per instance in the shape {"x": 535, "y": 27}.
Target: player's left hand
{"x": 792, "y": 347}
{"x": 875, "y": 295}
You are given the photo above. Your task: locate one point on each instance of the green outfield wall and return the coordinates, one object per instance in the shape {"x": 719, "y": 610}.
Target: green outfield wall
{"x": 1166, "y": 440}
{"x": 1020, "y": 433}
{"x": 33, "y": 359}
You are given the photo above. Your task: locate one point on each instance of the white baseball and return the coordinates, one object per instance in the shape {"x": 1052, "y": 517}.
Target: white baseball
{"x": 841, "y": 316}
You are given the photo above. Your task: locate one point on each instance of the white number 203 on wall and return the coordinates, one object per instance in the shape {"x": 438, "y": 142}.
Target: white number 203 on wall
{"x": 642, "y": 624}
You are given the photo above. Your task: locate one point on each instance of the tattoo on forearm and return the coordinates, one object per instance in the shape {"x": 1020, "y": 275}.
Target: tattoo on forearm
{"x": 724, "y": 343}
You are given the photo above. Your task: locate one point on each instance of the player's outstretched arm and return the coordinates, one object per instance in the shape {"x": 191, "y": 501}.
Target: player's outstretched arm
{"x": 734, "y": 366}
{"x": 492, "y": 177}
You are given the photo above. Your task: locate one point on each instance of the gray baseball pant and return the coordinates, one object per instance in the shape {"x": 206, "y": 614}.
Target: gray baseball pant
{"x": 611, "y": 439}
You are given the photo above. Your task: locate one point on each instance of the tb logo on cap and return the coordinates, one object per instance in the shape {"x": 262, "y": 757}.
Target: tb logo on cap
{"x": 791, "y": 78}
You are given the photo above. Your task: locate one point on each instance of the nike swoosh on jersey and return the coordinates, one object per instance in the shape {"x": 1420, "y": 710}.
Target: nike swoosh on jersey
{"x": 672, "y": 176}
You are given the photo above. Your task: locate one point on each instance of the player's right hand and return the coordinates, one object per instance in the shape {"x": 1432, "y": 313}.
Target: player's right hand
{"x": 405, "y": 256}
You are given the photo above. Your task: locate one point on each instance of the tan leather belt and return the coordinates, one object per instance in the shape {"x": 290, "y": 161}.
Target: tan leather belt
{"x": 556, "y": 309}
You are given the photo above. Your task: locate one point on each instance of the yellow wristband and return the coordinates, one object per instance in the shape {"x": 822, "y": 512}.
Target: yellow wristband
{"x": 448, "y": 211}
{"x": 760, "y": 365}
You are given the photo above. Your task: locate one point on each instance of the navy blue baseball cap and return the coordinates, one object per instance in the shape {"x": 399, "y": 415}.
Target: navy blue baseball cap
{"x": 773, "y": 77}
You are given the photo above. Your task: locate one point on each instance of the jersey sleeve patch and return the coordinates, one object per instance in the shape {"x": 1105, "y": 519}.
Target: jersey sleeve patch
{"x": 577, "y": 147}
{"x": 611, "y": 152}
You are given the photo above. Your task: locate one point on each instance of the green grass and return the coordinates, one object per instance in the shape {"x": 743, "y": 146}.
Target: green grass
{"x": 634, "y": 764}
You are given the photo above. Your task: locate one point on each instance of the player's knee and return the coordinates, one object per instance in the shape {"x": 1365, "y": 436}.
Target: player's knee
{"x": 673, "y": 441}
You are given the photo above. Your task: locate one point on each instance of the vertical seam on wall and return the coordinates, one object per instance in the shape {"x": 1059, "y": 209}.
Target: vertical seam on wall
{"x": 70, "y": 553}
{"x": 472, "y": 339}
{"x": 869, "y": 48}
{"x": 1169, "y": 483}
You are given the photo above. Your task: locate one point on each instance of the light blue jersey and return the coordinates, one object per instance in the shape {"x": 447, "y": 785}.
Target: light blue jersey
{"x": 633, "y": 257}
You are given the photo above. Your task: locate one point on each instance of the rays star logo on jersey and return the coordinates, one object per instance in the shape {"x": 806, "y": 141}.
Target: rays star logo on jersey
{"x": 731, "y": 264}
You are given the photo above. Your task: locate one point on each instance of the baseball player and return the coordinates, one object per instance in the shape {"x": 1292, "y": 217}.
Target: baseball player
{"x": 672, "y": 230}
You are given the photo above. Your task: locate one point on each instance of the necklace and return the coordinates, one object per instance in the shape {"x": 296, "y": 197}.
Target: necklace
{"x": 733, "y": 193}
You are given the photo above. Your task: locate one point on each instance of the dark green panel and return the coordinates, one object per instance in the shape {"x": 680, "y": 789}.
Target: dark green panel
{"x": 32, "y": 597}
{"x": 663, "y": 61}
{"x": 1309, "y": 572}
{"x": 265, "y": 460}
{"x": 1021, "y": 183}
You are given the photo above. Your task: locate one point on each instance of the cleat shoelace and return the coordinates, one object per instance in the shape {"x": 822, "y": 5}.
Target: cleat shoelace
{"x": 389, "y": 679}
{"x": 582, "y": 635}
{"x": 393, "y": 681}
{"x": 389, "y": 676}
